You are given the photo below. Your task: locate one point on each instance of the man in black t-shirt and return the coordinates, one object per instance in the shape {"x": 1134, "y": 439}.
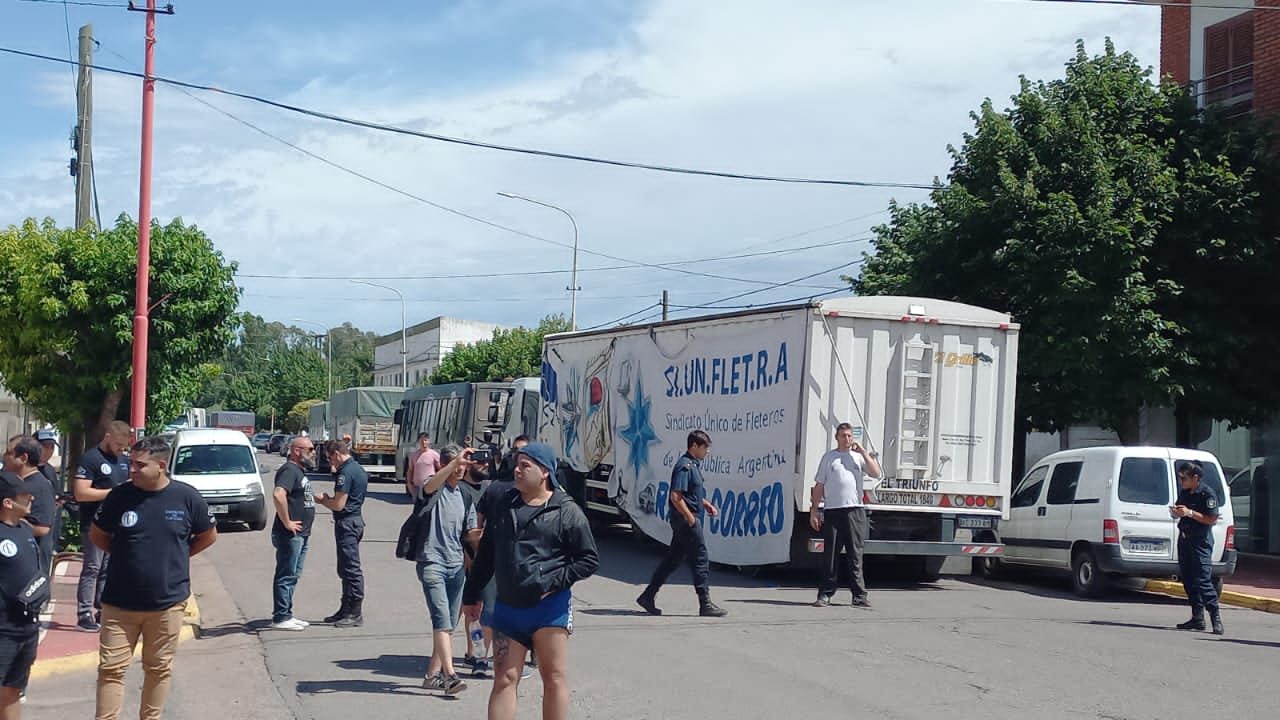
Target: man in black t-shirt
{"x": 100, "y": 469}
{"x": 152, "y": 526}
{"x": 295, "y": 513}
{"x": 22, "y": 458}
{"x": 19, "y": 565}
{"x": 349, "y": 486}
{"x": 48, "y": 445}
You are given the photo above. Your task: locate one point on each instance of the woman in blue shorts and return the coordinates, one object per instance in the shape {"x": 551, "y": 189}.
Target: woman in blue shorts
{"x": 536, "y": 545}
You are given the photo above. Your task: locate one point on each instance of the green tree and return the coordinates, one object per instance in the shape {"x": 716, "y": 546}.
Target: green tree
{"x": 1083, "y": 210}
{"x": 299, "y": 415}
{"x": 510, "y": 353}
{"x": 66, "y": 319}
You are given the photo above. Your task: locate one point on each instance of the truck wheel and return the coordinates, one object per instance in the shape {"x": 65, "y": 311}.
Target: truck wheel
{"x": 1087, "y": 578}
{"x": 990, "y": 568}
{"x": 928, "y": 569}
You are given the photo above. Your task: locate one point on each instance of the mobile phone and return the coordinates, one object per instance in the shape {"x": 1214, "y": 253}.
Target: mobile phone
{"x": 481, "y": 456}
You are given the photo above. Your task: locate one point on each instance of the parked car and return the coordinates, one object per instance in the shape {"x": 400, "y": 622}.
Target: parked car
{"x": 221, "y": 465}
{"x": 1103, "y": 512}
{"x": 273, "y": 445}
{"x": 284, "y": 446}
{"x": 261, "y": 439}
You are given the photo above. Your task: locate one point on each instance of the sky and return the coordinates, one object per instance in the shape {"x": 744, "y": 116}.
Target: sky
{"x": 865, "y": 90}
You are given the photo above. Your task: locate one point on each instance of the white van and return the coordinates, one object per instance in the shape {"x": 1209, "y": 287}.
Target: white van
{"x": 1104, "y": 512}
{"x": 221, "y": 465}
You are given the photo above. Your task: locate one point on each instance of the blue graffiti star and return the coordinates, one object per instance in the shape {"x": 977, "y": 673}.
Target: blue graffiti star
{"x": 639, "y": 433}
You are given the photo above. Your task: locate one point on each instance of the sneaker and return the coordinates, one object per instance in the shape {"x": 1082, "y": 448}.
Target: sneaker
{"x": 453, "y": 685}
{"x": 88, "y": 624}
{"x": 290, "y": 624}
{"x": 481, "y": 667}
{"x": 302, "y": 622}
{"x": 862, "y": 602}
{"x": 433, "y": 682}
{"x": 469, "y": 660}
{"x": 822, "y": 601}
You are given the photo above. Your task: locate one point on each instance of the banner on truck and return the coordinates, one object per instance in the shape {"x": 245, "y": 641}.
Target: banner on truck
{"x": 633, "y": 400}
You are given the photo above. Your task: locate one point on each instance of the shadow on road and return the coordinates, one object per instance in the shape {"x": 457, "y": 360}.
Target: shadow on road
{"x": 252, "y": 627}
{"x": 1053, "y": 586}
{"x": 1254, "y": 643}
{"x": 401, "y": 666}
{"x": 392, "y": 495}
{"x": 1135, "y": 626}
{"x": 612, "y": 612}
{"x": 371, "y": 687}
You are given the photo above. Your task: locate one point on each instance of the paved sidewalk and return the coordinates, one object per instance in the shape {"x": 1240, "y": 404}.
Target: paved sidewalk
{"x": 63, "y": 646}
{"x": 1255, "y": 584}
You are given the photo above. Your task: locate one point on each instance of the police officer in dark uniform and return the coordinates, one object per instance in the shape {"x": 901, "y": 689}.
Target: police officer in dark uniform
{"x": 1197, "y": 512}
{"x": 689, "y": 505}
{"x": 349, "y": 486}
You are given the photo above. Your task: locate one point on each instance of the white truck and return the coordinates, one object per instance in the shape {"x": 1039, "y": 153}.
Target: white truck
{"x": 927, "y": 384}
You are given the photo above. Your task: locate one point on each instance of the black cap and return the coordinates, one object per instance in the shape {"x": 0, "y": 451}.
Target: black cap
{"x": 11, "y": 486}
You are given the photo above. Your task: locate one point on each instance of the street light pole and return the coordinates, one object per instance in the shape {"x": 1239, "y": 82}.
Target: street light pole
{"x": 573, "y": 276}
{"x": 404, "y": 346}
{"x": 328, "y": 352}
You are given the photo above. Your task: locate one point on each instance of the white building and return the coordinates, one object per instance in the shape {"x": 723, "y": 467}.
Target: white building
{"x": 426, "y": 345}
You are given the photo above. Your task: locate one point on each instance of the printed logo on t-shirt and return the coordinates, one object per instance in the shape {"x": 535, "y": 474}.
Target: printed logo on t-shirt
{"x": 175, "y": 515}
{"x": 129, "y": 519}
{"x": 8, "y": 548}
{"x": 105, "y": 469}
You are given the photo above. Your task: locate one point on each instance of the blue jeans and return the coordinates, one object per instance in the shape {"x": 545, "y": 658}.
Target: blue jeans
{"x": 291, "y": 551}
{"x": 442, "y": 586}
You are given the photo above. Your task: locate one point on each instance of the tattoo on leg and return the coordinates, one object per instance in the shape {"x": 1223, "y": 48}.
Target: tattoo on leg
{"x": 501, "y": 647}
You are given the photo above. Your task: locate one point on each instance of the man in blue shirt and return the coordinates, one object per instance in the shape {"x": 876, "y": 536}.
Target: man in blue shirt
{"x": 689, "y": 505}
{"x": 349, "y": 487}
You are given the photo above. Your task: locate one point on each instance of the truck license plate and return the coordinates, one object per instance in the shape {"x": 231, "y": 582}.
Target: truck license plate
{"x": 975, "y": 523}
{"x": 219, "y": 509}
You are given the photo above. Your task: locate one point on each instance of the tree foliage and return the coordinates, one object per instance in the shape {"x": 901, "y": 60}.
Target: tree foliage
{"x": 1108, "y": 215}
{"x": 271, "y": 367}
{"x": 299, "y": 415}
{"x": 510, "y": 353}
{"x": 66, "y": 318}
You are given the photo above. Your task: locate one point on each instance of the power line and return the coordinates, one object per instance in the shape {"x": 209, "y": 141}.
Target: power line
{"x": 66, "y": 21}
{"x": 713, "y": 305}
{"x": 624, "y": 317}
{"x": 1161, "y": 4}
{"x": 85, "y": 3}
{"x": 397, "y": 130}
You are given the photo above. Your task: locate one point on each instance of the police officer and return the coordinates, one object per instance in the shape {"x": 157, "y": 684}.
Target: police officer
{"x": 689, "y": 505}
{"x": 1197, "y": 512}
{"x": 349, "y": 486}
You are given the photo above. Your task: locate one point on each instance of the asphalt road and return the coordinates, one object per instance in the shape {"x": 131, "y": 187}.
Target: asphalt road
{"x": 958, "y": 648}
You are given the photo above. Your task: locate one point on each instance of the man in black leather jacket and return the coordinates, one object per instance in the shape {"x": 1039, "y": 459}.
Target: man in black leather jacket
{"x": 537, "y": 543}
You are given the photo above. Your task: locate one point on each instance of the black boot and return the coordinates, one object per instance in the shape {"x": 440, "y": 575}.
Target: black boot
{"x": 646, "y": 601}
{"x": 1215, "y": 617}
{"x": 354, "y": 618}
{"x": 1196, "y": 622}
{"x": 706, "y": 608}
{"x": 341, "y": 613}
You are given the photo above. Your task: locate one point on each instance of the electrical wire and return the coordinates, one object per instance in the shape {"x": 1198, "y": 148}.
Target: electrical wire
{"x": 71, "y": 55}
{"x": 85, "y": 3}
{"x": 716, "y": 304}
{"x": 1160, "y": 4}
{"x": 397, "y": 130}
{"x": 624, "y": 317}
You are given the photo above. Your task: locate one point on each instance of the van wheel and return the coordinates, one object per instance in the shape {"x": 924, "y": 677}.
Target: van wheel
{"x": 990, "y": 568}
{"x": 1086, "y": 576}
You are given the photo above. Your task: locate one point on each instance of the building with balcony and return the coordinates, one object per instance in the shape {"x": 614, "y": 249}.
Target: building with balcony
{"x": 427, "y": 344}
{"x": 1226, "y": 51}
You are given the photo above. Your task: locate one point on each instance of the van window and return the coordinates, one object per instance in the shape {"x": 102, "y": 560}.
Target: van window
{"x": 1028, "y": 491}
{"x": 214, "y": 460}
{"x": 1242, "y": 485}
{"x": 1144, "y": 481}
{"x": 1062, "y": 486}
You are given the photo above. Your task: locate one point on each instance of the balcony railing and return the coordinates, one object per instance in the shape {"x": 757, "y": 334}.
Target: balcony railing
{"x": 1231, "y": 89}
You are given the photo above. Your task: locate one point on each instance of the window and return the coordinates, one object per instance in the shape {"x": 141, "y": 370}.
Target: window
{"x": 214, "y": 460}
{"x": 1144, "y": 481}
{"x": 1242, "y": 485}
{"x": 1028, "y": 491}
{"x": 1228, "y": 61}
{"x": 1062, "y": 486}
{"x": 1211, "y": 476}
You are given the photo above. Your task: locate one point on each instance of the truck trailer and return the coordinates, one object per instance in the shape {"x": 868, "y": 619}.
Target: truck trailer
{"x": 927, "y": 384}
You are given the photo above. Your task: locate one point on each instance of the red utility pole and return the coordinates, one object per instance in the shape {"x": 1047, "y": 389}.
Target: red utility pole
{"x": 138, "y": 398}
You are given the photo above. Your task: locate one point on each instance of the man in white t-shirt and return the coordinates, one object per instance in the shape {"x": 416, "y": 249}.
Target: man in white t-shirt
{"x": 838, "y": 513}
{"x": 423, "y": 463}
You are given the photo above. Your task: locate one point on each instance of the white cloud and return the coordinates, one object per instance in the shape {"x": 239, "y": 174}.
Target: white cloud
{"x": 865, "y": 90}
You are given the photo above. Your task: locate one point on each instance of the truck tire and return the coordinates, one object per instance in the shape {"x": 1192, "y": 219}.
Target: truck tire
{"x": 928, "y": 569}
{"x": 990, "y": 568}
{"x": 1087, "y": 578}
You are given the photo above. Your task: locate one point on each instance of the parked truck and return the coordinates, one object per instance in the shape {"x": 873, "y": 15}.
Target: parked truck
{"x": 488, "y": 415}
{"x": 928, "y": 386}
{"x": 367, "y": 414}
{"x": 241, "y": 420}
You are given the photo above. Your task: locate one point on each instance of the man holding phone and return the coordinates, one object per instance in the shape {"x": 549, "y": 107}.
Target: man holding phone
{"x": 843, "y": 523}
{"x": 1197, "y": 512}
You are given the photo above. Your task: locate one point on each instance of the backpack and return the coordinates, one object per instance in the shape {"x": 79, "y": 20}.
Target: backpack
{"x": 413, "y": 532}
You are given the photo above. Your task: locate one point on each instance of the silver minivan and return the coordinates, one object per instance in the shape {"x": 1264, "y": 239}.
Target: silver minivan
{"x": 1103, "y": 512}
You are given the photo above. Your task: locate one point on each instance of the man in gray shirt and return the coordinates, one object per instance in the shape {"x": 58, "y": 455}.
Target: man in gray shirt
{"x": 440, "y": 564}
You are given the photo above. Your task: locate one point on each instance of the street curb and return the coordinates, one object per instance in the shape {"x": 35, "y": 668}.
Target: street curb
{"x": 1228, "y": 597}
{"x": 89, "y": 660}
